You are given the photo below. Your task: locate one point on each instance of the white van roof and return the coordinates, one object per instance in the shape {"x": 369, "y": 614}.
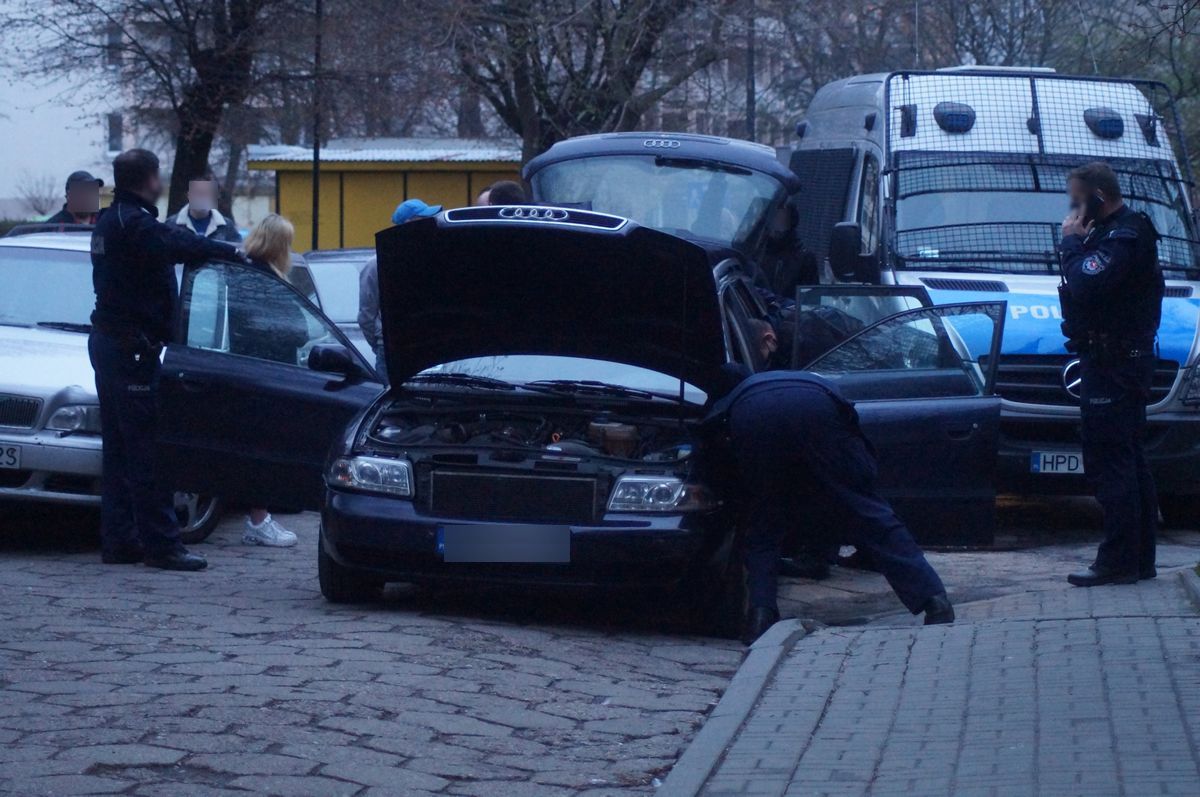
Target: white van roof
{"x": 1015, "y": 110}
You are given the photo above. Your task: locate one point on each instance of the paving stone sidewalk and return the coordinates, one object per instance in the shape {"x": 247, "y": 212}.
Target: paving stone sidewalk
{"x": 1055, "y": 692}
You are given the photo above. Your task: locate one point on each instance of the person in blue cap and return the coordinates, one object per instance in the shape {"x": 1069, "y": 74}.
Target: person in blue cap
{"x": 368, "y": 284}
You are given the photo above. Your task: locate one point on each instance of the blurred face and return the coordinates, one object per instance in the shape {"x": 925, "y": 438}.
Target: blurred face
{"x": 83, "y": 198}
{"x": 1080, "y": 192}
{"x": 154, "y": 188}
{"x": 202, "y": 197}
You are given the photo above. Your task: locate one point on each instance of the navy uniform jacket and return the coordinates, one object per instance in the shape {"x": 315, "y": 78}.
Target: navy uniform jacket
{"x": 1114, "y": 279}
{"x": 133, "y": 266}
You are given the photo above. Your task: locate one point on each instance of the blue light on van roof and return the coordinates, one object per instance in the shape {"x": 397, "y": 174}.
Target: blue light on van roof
{"x": 954, "y": 117}
{"x": 1104, "y": 122}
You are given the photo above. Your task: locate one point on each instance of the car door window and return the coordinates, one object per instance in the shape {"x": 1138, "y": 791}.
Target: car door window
{"x": 829, "y": 314}
{"x": 925, "y": 353}
{"x": 250, "y": 313}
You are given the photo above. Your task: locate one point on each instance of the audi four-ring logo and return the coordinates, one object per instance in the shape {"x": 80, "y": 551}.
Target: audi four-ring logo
{"x": 1072, "y": 378}
{"x": 661, "y": 143}
{"x": 539, "y": 214}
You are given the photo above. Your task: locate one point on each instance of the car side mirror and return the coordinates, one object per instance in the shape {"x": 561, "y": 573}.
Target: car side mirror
{"x": 845, "y": 246}
{"x": 846, "y": 258}
{"x": 334, "y": 360}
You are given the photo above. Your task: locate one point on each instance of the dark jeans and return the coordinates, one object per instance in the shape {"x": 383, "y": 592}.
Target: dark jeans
{"x": 803, "y": 460}
{"x": 1113, "y": 399}
{"x": 135, "y": 506}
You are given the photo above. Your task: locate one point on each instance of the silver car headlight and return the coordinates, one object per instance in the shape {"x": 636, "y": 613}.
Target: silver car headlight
{"x": 658, "y": 494}
{"x": 372, "y": 475}
{"x": 79, "y": 418}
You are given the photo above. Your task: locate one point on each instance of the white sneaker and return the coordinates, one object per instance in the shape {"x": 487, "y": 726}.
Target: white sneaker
{"x": 268, "y": 533}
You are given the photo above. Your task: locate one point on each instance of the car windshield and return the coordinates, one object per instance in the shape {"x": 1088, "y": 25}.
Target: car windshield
{"x": 1003, "y": 213}
{"x": 336, "y": 281}
{"x": 45, "y": 286}
{"x": 522, "y": 369}
{"x": 691, "y": 198}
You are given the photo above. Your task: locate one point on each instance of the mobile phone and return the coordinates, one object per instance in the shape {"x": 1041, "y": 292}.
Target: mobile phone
{"x": 1094, "y": 203}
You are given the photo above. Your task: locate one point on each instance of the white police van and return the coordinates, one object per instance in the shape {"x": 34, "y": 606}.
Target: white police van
{"x": 949, "y": 186}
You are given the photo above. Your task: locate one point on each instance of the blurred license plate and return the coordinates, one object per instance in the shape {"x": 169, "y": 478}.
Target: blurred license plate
{"x": 10, "y": 457}
{"x": 514, "y": 543}
{"x": 1056, "y": 462}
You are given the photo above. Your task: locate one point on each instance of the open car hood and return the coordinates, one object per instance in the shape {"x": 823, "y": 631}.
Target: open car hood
{"x": 472, "y": 283}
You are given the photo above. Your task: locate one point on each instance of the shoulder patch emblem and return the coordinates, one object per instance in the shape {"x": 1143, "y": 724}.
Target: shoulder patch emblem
{"x": 1093, "y": 265}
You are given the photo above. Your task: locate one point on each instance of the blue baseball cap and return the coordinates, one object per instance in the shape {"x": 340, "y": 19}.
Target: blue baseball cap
{"x": 411, "y": 209}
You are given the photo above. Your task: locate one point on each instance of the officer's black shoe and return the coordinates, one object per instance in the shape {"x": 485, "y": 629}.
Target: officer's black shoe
{"x": 129, "y": 555}
{"x": 177, "y": 560}
{"x": 938, "y": 610}
{"x": 1097, "y": 577}
{"x": 757, "y": 623}
{"x": 804, "y": 567}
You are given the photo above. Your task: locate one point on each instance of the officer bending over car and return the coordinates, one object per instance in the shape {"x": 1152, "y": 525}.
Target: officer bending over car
{"x": 802, "y": 458}
{"x": 133, "y": 272}
{"x": 1111, "y": 300}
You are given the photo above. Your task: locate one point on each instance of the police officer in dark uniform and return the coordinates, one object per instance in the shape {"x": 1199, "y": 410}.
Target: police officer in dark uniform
{"x": 801, "y": 457}
{"x": 133, "y": 272}
{"x": 1112, "y": 303}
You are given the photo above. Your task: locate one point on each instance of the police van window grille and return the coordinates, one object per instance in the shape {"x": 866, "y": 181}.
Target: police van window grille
{"x": 1008, "y": 154}
{"x": 1020, "y": 247}
{"x": 825, "y": 176}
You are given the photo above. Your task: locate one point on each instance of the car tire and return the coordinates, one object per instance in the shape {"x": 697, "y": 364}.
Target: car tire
{"x": 1180, "y": 511}
{"x": 721, "y": 611}
{"x": 198, "y": 516}
{"x": 341, "y": 584}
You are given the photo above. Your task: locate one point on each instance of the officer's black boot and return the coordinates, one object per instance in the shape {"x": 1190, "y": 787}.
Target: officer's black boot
{"x": 938, "y": 610}
{"x": 1096, "y": 577}
{"x": 757, "y": 622}
{"x": 177, "y": 560}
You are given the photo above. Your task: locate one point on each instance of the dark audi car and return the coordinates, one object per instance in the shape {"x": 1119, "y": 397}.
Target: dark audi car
{"x": 550, "y": 368}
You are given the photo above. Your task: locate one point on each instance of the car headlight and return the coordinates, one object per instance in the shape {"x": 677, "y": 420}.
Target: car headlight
{"x": 83, "y": 418}
{"x": 657, "y": 494}
{"x": 372, "y": 474}
{"x": 1191, "y": 394}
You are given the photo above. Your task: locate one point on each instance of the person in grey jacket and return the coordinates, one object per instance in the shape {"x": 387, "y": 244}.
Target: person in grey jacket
{"x": 200, "y": 214}
{"x": 368, "y": 285}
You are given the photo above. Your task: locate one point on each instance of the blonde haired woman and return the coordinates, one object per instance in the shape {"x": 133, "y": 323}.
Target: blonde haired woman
{"x": 272, "y": 328}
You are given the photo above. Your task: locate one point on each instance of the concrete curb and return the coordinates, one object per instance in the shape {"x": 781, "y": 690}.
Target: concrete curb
{"x": 1191, "y": 585}
{"x": 701, "y": 757}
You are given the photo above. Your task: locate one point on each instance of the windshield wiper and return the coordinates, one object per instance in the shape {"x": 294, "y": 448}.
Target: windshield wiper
{"x": 594, "y": 387}
{"x": 465, "y": 380}
{"x": 702, "y": 165}
{"x": 66, "y": 326}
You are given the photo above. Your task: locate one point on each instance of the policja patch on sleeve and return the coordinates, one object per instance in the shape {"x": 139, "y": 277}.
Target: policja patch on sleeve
{"x": 1094, "y": 264}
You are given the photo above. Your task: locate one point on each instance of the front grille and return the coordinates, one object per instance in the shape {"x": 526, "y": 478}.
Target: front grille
{"x": 531, "y": 498}
{"x": 14, "y": 478}
{"x": 19, "y": 412}
{"x": 1038, "y": 379}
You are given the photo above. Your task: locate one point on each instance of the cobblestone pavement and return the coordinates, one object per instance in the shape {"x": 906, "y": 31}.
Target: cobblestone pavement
{"x": 241, "y": 679}
{"x": 1054, "y": 692}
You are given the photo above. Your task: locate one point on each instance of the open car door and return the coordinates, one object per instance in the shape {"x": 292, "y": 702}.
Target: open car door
{"x": 922, "y": 380}
{"x": 243, "y": 416}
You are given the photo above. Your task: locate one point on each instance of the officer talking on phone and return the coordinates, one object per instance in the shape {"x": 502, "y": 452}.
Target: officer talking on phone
{"x": 133, "y": 272}
{"x": 1111, "y": 297}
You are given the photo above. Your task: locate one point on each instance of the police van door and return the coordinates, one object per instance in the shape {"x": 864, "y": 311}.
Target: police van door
{"x": 922, "y": 379}
{"x": 243, "y": 416}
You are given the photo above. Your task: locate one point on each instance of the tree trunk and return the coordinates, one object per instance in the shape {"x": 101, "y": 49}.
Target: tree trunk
{"x": 236, "y": 149}
{"x": 199, "y": 116}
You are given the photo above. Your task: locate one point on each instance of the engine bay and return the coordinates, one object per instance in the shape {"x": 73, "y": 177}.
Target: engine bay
{"x": 561, "y": 433}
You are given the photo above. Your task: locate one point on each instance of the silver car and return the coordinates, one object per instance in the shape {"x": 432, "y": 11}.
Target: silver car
{"x": 49, "y": 415}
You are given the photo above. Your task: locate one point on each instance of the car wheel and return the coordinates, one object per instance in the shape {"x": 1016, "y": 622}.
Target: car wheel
{"x": 341, "y": 584}
{"x": 1180, "y": 511}
{"x": 198, "y": 516}
{"x": 721, "y": 612}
